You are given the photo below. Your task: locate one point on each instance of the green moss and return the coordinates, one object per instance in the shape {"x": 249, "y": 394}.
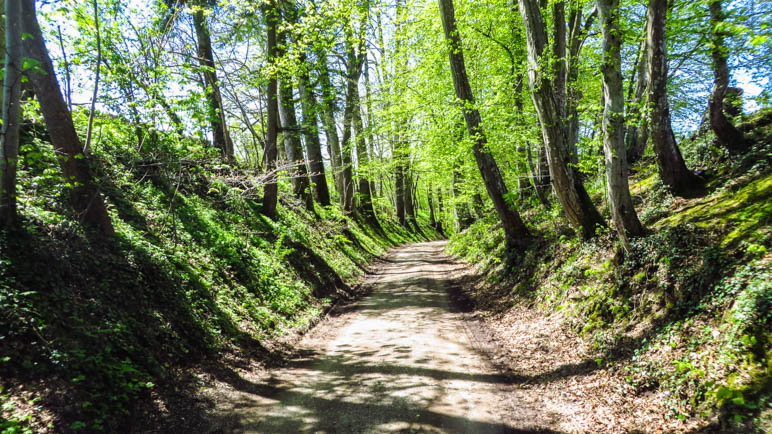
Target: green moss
{"x": 745, "y": 212}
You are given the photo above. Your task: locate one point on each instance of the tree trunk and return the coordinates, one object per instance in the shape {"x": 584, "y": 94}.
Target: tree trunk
{"x": 637, "y": 133}
{"x": 363, "y": 161}
{"x": 271, "y": 189}
{"x": 85, "y": 196}
{"x": 438, "y": 227}
{"x": 328, "y": 120}
{"x": 727, "y": 134}
{"x": 621, "y": 204}
{"x": 576, "y": 37}
{"x": 9, "y": 151}
{"x": 293, "y": 146}
{"x": 409, "y": 197}
{"x": 399, "y": 184}
{"x": 309, "y": 107}
{"x": 578, "y": 207}
{"x": 352, "y": 81}
{"x": 220, "y": 136}
{"x": 514, "y": 228}
{"x": 463, "y": 216}
{"x": 671, "y": 165}
{"x": 540, "y": 174}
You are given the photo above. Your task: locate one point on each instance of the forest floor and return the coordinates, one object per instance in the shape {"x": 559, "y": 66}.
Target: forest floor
{"x": 410, "y": 358}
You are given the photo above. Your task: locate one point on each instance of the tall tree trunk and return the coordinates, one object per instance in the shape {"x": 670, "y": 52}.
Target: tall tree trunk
{"x": 346, "y": 148}
{"x": 221, "y": 137}
{"x": 540, "y": 174}
{"x": 463, "y": 216}
{"x": 578, "y": 207}
{"x": 727, "y": 134}
{"x": 409, "y": 196}
{"x": 432, "y": 217}
{"x": 85, "y": 196}
{"x": 292, "y": 144}
{"x": 363, "y": 161}
{"x": 438, "y": 226}
{"x": 671, "y": 165}
{"x": 328, "y": 120}
{"x": 9, "y": 151}
{"x": 576, "y": 36}
{"x": 621, "y": 204}
{"x": 399, "y": 182}
{"x": 559, "y": 55}
{"x": 309, "y": 107}
{"x": 271, "y": 189}
{"x": 637, "y": 132}
{"x": 514, "y": 228}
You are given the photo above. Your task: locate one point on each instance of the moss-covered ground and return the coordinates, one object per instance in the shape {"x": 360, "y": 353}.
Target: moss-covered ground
{"x": 686, "y": 313}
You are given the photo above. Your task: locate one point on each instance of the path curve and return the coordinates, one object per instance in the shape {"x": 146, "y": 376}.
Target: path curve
{"x": 400, "y": 360}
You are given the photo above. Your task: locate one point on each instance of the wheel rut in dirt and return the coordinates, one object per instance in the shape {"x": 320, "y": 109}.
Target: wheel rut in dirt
{"x": 401, "y": 360}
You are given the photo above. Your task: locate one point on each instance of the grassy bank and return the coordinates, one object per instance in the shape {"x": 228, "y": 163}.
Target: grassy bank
{"x": 105, "y": 334}
{"x": 682, "y": 318}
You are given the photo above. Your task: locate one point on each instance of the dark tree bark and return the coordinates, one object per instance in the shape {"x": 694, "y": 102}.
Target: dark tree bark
{"x": 432, "y": 217}
{"x": 514, "y": 228}
{"x": 729, "y": 136}
{"x": 86, "y": 199}
{"x": 621, "y": 204}
{"x": 309, "y": 107}
{"x": 309, "y": 110}
{"x": 352, "y": 81}
{"x": 292, "y": 144}
{"x": 577, "y": 33}
{"x": 271, "y": 189}
{"x": 637, "y": 132}
{"x": 540, "y": 174}
{"x": 363, "y": 160}
{"x": 578, "y": 207}
{"x": 438, "y": 225}
{"x": 463, "y": 216}
{"x": 221, "y": 137}
{"x": 9, "y": 151}
{"x": 409, "y": 196}
{"x": 671, "y": 165}
{"x": 399, "y": 183}
{"x": 328, "y": 120}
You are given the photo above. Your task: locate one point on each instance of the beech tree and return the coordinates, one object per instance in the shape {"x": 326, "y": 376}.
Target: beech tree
{"x": 514, "y": 228}
{"x": 271, "y": 189}
{"x": 578, "y": 207}
{"x": 727, "y": 134}
{"x": 671, "y": 165}
{"x": 86, "y": 198}
{"x": 621, "y": 204}
{"x": 9, "y": 149}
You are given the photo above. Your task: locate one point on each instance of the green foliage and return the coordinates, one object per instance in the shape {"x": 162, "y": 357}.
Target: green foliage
{"x": 194, "y": 271}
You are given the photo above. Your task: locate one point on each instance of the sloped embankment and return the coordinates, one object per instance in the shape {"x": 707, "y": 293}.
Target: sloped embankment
{"x": 103, "y": 334}
{"x": 672, "y": 336}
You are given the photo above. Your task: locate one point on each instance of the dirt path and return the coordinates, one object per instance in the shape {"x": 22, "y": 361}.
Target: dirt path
{"x": 401, "y": 360}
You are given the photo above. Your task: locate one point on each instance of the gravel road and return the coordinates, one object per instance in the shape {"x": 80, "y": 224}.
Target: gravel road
{"x": 403, "y": 359}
